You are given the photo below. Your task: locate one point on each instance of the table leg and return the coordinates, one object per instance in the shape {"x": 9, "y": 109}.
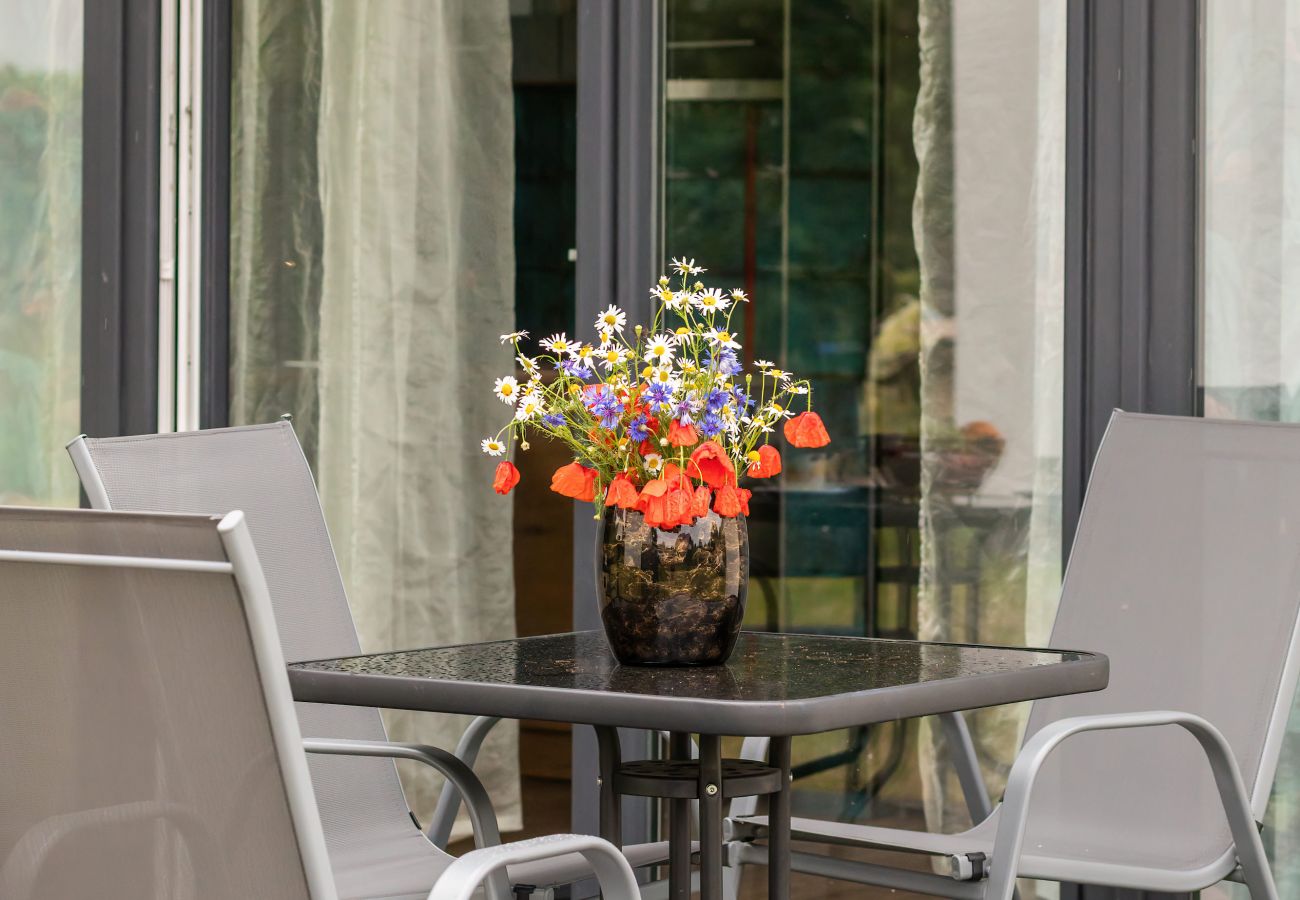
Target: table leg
{"x": 611, "y": 813}
{"x": 710, "y": 817}
{"x": 778, "y": 822}
{"x": 679, "y": 828}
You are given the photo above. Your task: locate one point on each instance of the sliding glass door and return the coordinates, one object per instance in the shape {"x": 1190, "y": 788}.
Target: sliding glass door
{"x": 886, "y": 181}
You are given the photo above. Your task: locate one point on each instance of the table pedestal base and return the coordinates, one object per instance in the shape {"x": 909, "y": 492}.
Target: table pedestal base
{"x": 709, "y": 781}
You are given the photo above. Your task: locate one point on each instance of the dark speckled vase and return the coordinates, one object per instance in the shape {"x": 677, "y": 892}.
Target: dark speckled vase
{"x": 671, "y": 596}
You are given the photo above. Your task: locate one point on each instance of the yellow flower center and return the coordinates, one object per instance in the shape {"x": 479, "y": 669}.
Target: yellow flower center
{"x": 507, "y": 389}
{"x": 683, "y": 330}
{"x": 723, "y": 337}
{"x": 753, "y": 456}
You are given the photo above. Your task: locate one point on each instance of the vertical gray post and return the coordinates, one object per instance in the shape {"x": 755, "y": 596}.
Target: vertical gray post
{"x": 679, "y": 823}
{"x": 611, "y": 824}
{"x": 778, "y": 821}
{"x": 710, "y": 817}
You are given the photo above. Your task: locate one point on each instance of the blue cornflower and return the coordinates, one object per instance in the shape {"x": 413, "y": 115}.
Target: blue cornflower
{"x": 637, "y": 430}
{"x": 716, "y": 400}
{"x": 555, "y": 420}
{"x": 659, "y": 396}
{"x": 685, "y": 411}
{"x": 728, "y": 364}
{"x": 710, "y": 425}
{"x": 742, "y": 399}
{"x": 604, "y": 406}
{"x": 575, "y": 368}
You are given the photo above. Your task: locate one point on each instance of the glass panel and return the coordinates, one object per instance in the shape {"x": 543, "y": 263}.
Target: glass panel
{"x": 886, "y": 180}
{"x": 40, "y": 248}
{"x": 1250, "y": 316}
{"x": 377, "y": 238}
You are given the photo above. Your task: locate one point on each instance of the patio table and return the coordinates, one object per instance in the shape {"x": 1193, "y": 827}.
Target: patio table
{"x": 775, "y": 685}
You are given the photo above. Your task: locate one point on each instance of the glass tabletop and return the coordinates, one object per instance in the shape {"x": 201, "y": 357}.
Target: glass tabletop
{"x": 795, "y": 682}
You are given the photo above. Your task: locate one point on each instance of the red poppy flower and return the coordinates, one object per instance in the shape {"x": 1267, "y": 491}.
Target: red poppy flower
{"x": 576, "y": 481}
{"x": 711, "y": 464}
{"x": 677, "y": 507}
{"x": 806, "y": 430}
{"x": 506, "y": 478}
{"x": 621, "y": 492}
{"x": 764, "y": 462}
{"x": 731, "y": 501}
{"x": 680, "y": 435}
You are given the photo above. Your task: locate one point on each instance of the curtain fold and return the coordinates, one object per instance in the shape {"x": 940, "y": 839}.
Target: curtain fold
{"x": 372, "y": 270}
{"x": 989, "y": 231}
{"x": 417, "y": 192}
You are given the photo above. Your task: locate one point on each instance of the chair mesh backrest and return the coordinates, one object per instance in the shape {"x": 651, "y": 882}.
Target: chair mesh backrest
{"x": 137, "y": 758}
{"x": 261, "y": 470}
{"x": 1186, "y": 572}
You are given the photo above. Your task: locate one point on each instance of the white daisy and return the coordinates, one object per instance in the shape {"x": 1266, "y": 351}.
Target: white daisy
{"x": 660, "y": 348}
{"x": 585, "y": 352}
{"x": 513, "y": 337}
{"x": 507, "y": 389}
{"x": 711, "y": 301}
{"x": 762, "y": 364}
{"x": 557, "y": 343}
{"x": 612, "y": 356}
{"x": 527, "y": 363}
{"x": 653, "y": 462}
{"x": 530, "y": 405}
{"x": 798, "y": 389}
{"x": 612, "y": 319}
{"x": 778, "y": 375}
{"x": 739, "y": 296}
{"x": 687, "y": 267}
{"x": 662, "y": 292}
{"x": 678, "y": 300}
{"x": 493, "y": 447}
{"x": 721, "y": 338}
{"x": 663, "y": 375}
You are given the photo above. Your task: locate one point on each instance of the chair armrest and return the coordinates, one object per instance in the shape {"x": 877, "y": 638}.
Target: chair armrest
{"x": 444, "y": 814}
{"x": 1010, "y": 836}
{"x": 481, "y": 815}
{"x": 462, "y": 877}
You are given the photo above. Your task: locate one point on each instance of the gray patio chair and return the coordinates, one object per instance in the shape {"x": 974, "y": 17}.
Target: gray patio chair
{"x": 1185, "y": 572}
{"x": 261, "y": 470}
{"x": 150, "y": 745}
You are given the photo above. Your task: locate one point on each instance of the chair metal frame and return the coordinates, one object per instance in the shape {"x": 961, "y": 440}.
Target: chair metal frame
{"x": 454, "y": 789}
{"x": 974, "y": 877}
{"x": 484, "y": 867}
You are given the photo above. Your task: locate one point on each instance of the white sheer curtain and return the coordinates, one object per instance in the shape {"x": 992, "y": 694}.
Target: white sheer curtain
{"x": 40, "y": 248}
{"x": 988, "y": 224}
{"x": 1251, "y": 245}
{"x": 372, "y": 272}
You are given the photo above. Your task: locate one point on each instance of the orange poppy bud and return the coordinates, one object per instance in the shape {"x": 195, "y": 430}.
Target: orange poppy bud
{"x": 576, "y": 481}
{"x": 507, "y": 477}
{"x": 711, "y": 464}
{"x": 764, "y": 462}
{"x": 680, "y": 435}
{"x": 806, "y": 430}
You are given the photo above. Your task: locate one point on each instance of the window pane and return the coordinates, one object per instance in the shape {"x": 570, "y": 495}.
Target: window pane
{"x": 886, "y": 180}
{"x": 40, "y": 248}
{"x": 1250, "y": 366}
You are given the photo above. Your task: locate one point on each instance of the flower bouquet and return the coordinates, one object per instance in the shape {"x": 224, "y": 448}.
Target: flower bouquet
{"x": 662, "y": 424}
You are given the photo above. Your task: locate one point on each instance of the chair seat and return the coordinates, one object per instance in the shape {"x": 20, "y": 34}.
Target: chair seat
{"x": 1079, "y": 863}
{"x": 406, "y": 868}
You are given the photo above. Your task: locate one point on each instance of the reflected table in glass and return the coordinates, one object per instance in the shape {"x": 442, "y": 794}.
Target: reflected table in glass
{"x": 774, "y": 685}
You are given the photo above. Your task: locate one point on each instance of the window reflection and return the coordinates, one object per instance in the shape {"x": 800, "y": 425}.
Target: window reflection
{"x": 885, "y": 179}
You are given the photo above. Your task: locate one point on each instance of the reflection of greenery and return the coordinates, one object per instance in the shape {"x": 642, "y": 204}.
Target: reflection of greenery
{"x": 40, "y": 225}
